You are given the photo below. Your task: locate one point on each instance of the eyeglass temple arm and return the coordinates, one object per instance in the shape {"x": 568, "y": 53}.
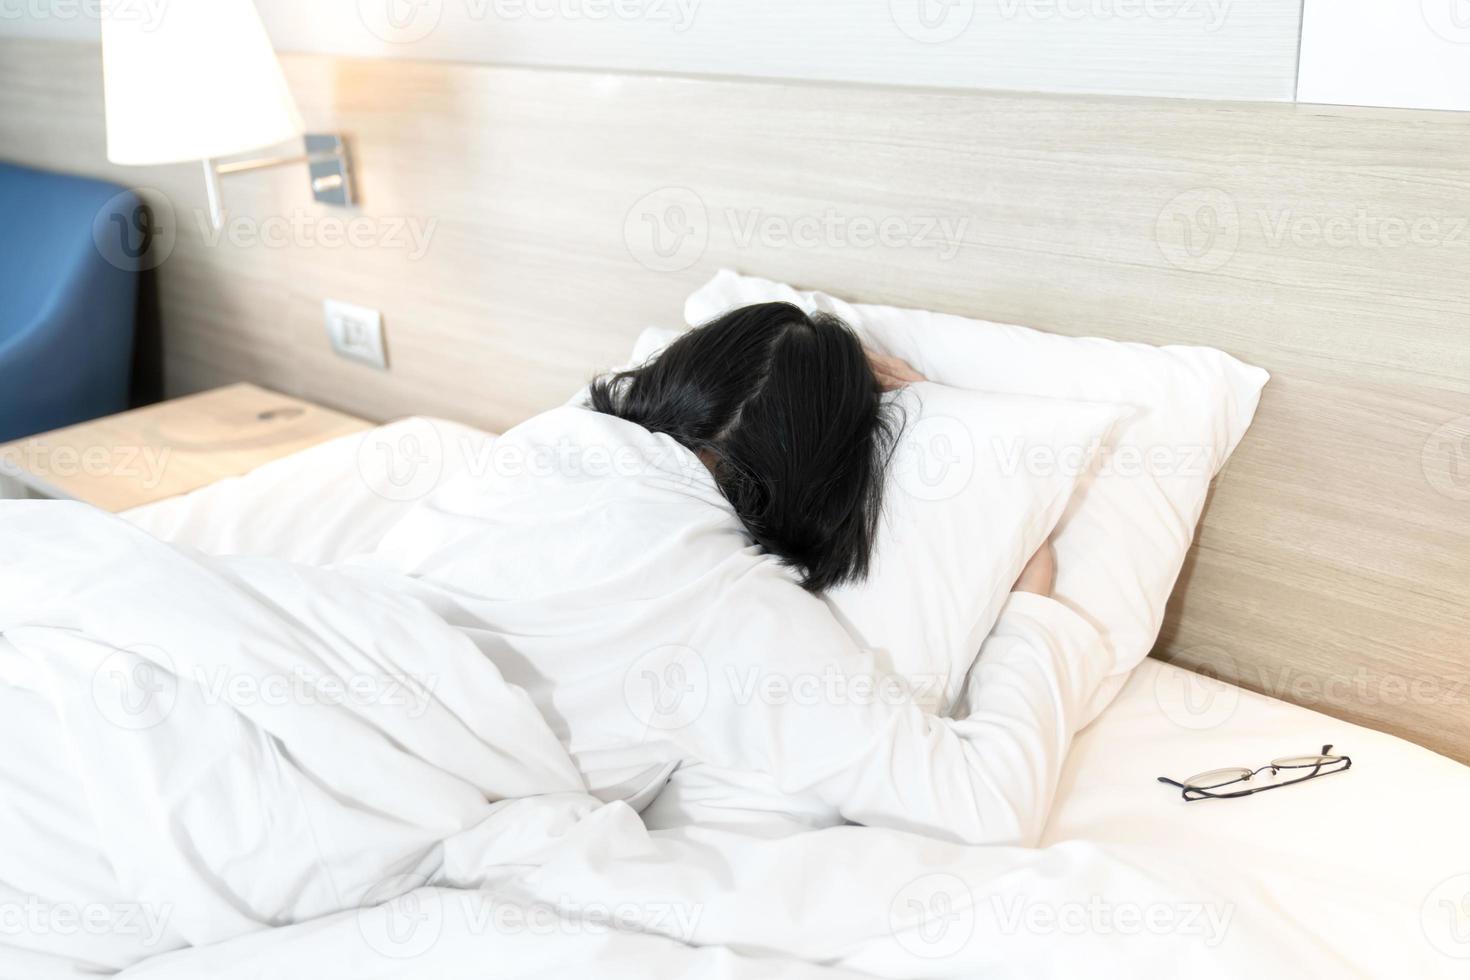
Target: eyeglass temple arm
{"x": 1327, "y": 749}
{"x": 1171, "y": 782}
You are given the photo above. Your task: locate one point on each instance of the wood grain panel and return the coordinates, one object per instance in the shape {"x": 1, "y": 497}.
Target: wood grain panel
{"x": 1326, "y": 245}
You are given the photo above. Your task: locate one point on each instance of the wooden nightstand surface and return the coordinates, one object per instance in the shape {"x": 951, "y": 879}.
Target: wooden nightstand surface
{"x": 172, "y": 447}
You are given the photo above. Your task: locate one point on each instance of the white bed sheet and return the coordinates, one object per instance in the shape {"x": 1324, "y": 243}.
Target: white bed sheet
{"x": 1328, "y": 856}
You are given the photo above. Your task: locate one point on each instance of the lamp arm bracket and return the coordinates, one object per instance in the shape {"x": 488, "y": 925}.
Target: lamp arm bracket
{"x": 265, "y": 163}
{"x": 325, "y": 156}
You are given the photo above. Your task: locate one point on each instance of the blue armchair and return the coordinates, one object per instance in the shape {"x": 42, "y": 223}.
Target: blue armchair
{"x": 67, "y": 309}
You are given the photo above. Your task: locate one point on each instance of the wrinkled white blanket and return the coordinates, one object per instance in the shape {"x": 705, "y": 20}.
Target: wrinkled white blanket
{"x": 236, "y": 744}
{"x": 245, "y": 768}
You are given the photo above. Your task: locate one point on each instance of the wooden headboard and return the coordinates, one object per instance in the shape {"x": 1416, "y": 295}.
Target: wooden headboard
{"x": 1330, "y": 246}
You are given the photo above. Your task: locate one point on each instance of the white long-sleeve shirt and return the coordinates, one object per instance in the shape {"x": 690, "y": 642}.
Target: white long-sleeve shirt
{"x": 601, "y": 569}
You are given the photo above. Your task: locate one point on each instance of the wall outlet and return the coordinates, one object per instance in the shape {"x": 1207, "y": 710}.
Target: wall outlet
{"x": 356, "y": 333}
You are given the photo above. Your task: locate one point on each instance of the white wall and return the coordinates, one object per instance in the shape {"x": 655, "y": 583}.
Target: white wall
{"x": 1219, "y": 49}
{"x": 1411, "y": 54}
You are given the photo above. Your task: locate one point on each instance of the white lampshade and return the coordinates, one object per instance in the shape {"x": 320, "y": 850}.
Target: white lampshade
{"x": 200, "y": 82}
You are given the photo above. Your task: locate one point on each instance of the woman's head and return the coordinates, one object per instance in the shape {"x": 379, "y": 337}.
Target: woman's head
{"x": 786, "y": 410}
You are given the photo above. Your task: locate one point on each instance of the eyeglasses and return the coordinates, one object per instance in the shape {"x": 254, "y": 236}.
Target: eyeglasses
{"x": 1207, "y": 785}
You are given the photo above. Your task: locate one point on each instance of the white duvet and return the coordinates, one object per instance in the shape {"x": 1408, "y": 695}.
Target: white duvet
{"x": 242, "y": 749}
{"x": 246, "y": 768}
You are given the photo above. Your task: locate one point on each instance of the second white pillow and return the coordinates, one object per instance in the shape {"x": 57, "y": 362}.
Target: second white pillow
{"x": 977, "y": 483}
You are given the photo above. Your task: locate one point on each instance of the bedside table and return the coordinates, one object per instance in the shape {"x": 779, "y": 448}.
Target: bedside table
{"x": 127, "y": 460}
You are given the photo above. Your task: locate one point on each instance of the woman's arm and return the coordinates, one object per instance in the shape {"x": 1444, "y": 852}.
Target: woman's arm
{"x": 985, "y": 776}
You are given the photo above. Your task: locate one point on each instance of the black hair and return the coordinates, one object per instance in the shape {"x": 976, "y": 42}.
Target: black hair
{"x": 788, "y": 412}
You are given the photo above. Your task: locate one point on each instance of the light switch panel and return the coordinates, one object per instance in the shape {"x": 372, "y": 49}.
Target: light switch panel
{"x": 356, "y": 333}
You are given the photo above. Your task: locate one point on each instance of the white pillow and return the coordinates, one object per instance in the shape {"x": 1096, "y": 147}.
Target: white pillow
{"x": 1123, "y": 539}
{"x": 977, "y": 482}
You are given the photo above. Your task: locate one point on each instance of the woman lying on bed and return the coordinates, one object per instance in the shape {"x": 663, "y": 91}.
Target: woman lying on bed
{"x": 650, "y": 572}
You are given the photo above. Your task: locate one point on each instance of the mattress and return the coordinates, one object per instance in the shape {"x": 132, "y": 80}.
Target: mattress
{"x": 1318, "y": 863}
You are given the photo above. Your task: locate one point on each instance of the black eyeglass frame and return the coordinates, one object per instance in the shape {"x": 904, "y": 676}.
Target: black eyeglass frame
{"x": 1319, "y": 769}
